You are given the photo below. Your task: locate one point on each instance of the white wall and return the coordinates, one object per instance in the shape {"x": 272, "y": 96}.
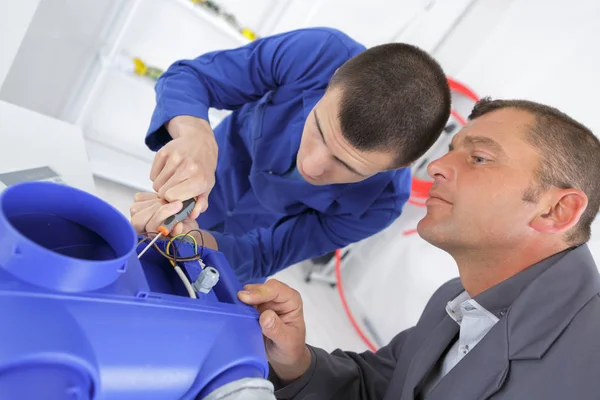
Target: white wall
{"x": 16, "y": 17}
{"x": 57, "y": 51}
{"x": 62, "y": 47}
{"x": 540, "y": 50}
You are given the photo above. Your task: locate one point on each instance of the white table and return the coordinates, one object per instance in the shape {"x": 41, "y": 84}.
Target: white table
{"x": 30, "y": 140}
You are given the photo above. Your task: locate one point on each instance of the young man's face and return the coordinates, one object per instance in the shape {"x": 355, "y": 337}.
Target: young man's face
{"x": 325, "y": 157}
{"x": 481, "y": 192}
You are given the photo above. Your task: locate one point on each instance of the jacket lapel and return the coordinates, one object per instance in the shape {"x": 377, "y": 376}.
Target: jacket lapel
{"x": 428, "y": 355}
{"x": 481, "y": 373}
{"x": 533, "y": 323}
{"x": 545, "y": 309}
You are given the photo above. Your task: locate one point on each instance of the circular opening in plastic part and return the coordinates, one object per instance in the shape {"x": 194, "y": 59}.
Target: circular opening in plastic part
{"x": 31, "y": 381}
{"x": 212, "y": 270}
{"x": 63, "y": 238}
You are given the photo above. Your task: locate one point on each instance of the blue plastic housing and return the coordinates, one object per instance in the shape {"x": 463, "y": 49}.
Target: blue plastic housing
{"x": 82, "y": 318}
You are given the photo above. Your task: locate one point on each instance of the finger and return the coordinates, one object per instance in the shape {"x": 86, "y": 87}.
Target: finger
{"x": 272, "y": 290}
{"x": 200, "y": 207}
{"x": 144, "y": 196}
{"x": 166, "y": 173}
{"x": 185, "y": 170}
{"x": 192, "y": 187}
{"x": 257, "y": 286}
{"x": 290, "y": 313}
{"x": 257, "y": 295}
{"x": 142, "y": 205}
{"x": 163, "y": 212}
{"x": 140, "y": 219}
{"x": 275, "y": 329}
{"x": 158, "y": 163}
{"x": 177, "y": 229}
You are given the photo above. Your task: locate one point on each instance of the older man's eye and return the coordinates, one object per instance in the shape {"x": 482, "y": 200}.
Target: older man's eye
{"x": 479, "y": 160}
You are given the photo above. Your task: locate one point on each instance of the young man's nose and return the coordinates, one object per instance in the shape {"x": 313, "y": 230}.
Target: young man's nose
{"x": 315, "y": 164}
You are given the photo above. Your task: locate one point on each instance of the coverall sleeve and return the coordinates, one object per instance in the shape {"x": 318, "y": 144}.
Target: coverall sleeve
{"x": 344, "y": 375}
{"x": 228, "y": 79}
{"x": 264, "y": 251}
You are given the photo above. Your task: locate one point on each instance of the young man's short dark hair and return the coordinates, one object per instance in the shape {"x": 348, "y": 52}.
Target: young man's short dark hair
{"x": 394, "y": 97}
{"x": 569, "y": 152}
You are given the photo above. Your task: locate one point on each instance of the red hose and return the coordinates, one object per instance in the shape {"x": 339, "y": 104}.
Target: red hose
{"x": 458, "y": 117}
{"x": 338, "y": 277}
{"x": 462, "y": 89}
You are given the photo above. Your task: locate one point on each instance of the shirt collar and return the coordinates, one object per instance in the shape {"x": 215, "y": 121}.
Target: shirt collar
{"x": 500, "y": 297}
{"x": 463, "y": 305}
{"x": 453, "y": 306}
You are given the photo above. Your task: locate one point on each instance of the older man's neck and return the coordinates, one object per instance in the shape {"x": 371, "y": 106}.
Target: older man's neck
{"x": 480, "y": 270}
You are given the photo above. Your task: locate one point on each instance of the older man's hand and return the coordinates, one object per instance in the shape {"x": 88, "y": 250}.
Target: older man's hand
{"x": 282, "y": 322}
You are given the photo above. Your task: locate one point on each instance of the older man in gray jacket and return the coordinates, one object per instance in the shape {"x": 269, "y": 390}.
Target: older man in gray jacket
{"x": 512, "y": 202}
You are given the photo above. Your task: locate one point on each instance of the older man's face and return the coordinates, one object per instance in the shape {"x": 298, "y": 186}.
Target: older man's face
{"x": 478, "y": 196}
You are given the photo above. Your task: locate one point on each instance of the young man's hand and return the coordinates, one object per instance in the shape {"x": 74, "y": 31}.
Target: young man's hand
{"x": 148, "y": 212}
{"x": 282, "y": 322}
{"x": 185, "y": 167}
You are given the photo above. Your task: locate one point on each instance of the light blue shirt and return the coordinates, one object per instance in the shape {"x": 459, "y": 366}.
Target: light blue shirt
{"x": 475, "y": 322}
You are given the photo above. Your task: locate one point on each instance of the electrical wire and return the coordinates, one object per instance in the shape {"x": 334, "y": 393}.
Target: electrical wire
{"x": 182, "y": 237}
{"x": 196, "y": 257}
{"x": 178, "y": 270}
{"x": 174, "y": 259}
{"x": 186, "y": 282}
{"x": 201, "y": 241}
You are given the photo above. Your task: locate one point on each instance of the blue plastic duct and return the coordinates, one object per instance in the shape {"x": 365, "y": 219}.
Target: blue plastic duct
{"x": 82, "y": 318}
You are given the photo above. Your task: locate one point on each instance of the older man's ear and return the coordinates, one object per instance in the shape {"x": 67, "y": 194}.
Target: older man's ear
{"x": 561, "y": 211}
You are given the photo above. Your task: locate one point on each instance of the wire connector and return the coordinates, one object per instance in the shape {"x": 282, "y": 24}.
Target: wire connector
{"x": 207, "y": 280}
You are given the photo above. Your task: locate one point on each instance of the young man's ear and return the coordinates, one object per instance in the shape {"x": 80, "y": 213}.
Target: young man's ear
{"x": 563, "y": 209}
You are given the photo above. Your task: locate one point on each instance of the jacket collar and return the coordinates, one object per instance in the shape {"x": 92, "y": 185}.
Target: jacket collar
{"x": 499, "y": 298}
{"x": 543, "y": 311}
{"x": 534, "y": 321}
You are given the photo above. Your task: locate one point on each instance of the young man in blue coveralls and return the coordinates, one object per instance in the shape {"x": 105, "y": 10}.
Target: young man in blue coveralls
{"x": 314, "y": 156}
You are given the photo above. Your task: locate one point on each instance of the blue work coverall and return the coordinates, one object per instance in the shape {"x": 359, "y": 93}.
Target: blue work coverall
{"x": 263, "y": 215}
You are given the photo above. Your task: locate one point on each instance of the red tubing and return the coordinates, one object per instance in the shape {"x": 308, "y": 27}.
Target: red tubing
{"x": 462, "y": 89}
{"x": 338, "y": 277}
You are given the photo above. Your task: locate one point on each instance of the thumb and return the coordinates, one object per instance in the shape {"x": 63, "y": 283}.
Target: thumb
{"x": 177, "y": 229}
{"x": 200, "y": 207}
{"x": 275, "y": 329}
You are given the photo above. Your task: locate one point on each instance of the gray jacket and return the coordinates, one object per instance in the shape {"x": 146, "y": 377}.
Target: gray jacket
{"x": 547, "y": 346}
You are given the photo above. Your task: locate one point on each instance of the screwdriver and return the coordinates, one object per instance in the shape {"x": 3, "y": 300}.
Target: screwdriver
{"x": 165, "y": 228}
